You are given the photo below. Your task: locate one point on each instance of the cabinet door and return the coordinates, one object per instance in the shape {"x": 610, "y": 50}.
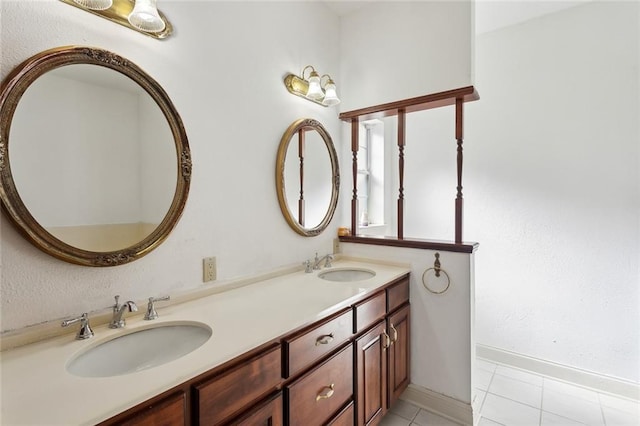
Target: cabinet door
{"x": 168, "y": 412}
{"x": 398, "y": 330}
{"x": 371, "y": 375}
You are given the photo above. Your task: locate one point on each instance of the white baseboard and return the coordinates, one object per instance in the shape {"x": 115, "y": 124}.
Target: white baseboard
{"x": 580, "y": 377}
{"x": 442, "y": 405}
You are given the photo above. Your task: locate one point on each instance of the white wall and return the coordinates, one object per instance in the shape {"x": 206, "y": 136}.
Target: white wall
{"x": 552, "y": 188}
{"x": 430, "y": 174}
{"x": 224, "y": 70}
{"x": 393, "y": 50}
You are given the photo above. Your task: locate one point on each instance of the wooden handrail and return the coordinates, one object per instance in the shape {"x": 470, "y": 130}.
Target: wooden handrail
{"x": 420, "y": 103}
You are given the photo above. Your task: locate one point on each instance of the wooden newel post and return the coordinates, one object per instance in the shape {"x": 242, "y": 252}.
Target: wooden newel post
{"x": 355, "y": 144}
{"x": 459, "y": 199}
{"x": 401, "y": 144}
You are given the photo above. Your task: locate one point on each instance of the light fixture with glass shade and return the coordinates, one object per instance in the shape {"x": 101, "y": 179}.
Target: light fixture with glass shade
{"x": 311, "y": 88}
{"x": 95, "y": 4}
{"x": 145, "y": 17}
{"x": 314, "y": 91}
{"x": 330, "y": 95}
{"x": 138, "y": 15}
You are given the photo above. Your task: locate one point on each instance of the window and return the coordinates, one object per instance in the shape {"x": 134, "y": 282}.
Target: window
{"x": 371, "y": 174}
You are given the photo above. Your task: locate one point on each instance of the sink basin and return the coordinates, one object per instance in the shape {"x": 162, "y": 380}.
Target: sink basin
{"x": 347, "y": 274}
{"x": 140, "y": 350}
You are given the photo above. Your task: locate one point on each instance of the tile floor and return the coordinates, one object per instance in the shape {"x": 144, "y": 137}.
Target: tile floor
{"x": 509, "y": 396}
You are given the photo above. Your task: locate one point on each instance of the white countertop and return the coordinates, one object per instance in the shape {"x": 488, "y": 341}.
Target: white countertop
{"x": 38, "y": 390}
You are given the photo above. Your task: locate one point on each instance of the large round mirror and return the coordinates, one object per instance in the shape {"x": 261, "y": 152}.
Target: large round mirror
{"x": 307, "y": 177}
{"x": 94, "y": 159}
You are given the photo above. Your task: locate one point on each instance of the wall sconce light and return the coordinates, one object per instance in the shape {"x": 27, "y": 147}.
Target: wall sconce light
{"x": 138, "y": 15}
{"x": 145, "y": 17}
{"x": 312, "y": 88}
{"x": 95, "y": 4}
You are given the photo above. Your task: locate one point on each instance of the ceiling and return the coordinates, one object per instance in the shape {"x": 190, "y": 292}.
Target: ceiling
{"x": 490, "y": 15}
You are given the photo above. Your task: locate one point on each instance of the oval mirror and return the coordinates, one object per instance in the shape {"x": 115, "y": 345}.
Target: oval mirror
{"x": 307, "y": 177}
{"x": 94, "y": 160}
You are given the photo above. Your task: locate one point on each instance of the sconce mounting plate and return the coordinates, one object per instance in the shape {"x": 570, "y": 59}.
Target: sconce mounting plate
{"x": 299, "y": 87}
{"x": 119, "y": 13}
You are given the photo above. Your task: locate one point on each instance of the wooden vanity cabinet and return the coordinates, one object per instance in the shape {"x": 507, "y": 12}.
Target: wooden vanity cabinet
{"x": 345, "y": 369}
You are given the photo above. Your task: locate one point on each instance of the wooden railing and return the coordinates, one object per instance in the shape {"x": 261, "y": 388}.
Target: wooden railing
{"x": 400, "y": 109}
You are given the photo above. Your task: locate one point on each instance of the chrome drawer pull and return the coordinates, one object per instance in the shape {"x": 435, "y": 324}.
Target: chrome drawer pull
{"x": 324, "y": 339}
{"x": 327, "y": 395}
{"x": 395, "y": 333}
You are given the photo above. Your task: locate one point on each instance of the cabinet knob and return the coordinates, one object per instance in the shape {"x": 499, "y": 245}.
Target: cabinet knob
{"x": 324, "y": 339}
{"x": 326, "y": 395}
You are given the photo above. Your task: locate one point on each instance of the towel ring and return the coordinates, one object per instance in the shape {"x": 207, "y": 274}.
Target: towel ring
{"x": 437, "y": 271}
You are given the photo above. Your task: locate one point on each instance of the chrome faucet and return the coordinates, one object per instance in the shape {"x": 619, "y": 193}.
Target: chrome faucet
{"x": 118, "y": 310}
{"x": 307, "y": 266}
{"x": 85, "y": 331}
{"x": 327, "y": 261}
{"x": 151, "y": 308}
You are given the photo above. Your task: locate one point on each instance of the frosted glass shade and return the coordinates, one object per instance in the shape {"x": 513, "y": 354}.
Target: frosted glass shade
{"x": 95, "y": 4}
{"x": 330, "y": 97}
{"x": 145, "y": 16}
{"x": 315, "y": 91}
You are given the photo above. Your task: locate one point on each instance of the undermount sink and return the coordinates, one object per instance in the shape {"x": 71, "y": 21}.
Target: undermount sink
{"x": 140, "y": 350}
{"x": 347, "y": 274}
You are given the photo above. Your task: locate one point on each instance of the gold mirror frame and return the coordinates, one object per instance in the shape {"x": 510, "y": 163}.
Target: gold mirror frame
{"x": 11, "y": 91}
{"x": 294, "y": 128}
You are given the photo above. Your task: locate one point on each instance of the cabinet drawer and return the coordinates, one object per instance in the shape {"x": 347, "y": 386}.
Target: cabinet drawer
{"x": 169, "y": 411}
{"x": 268, "y": 413}
{"x": 225, "y": 395}
{"x": 398, "y": 294}
{"x": 309, "y": 346}
{"x": 318, "y": 395}
{"x": 344, "y": 418}
{"x": 369, "y": 311}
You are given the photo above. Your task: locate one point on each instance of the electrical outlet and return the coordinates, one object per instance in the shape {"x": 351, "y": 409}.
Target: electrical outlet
{"x": 336, "y": 245}
{"x": 209, "y": 270}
